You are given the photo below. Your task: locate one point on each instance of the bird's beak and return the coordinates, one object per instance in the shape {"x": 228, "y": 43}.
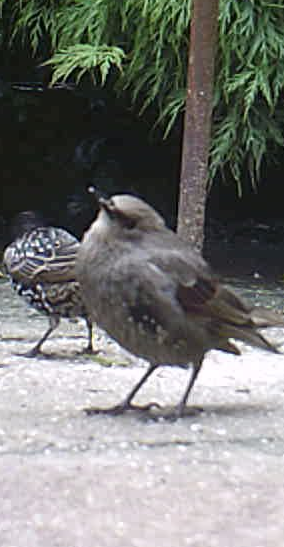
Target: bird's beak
{"x": 96, "y": 192}
{"x": 103, "y": 203}
{"x": 107, "y": 205}
{"x": 101, "y": 199}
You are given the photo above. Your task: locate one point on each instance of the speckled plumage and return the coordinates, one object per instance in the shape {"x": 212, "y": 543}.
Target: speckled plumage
{"x": 157, "y": 297}
{"x": 40, "y": 265}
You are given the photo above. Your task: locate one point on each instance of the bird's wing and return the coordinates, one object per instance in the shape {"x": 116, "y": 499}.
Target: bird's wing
{"x": 202, "y": 295}
{"x": 199, "y": 291}
{"x": 214, "y": 310}
{"x": 195, "y": 284}
{"x": 165, "y": 287}
{"x": 45, "y": 254}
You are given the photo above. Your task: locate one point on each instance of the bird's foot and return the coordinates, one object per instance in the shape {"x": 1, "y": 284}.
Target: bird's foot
{"x": 120, "y": 409}
{"x": 89, "y": 350}
{"x": 34, "y": 352}
{"x": 182, "y": 411}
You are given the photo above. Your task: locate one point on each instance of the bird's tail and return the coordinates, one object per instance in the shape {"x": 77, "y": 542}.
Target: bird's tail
{"x": 234, "y": 318}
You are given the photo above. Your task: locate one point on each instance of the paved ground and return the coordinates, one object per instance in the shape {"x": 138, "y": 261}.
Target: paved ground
{"x": 214, "y": 479}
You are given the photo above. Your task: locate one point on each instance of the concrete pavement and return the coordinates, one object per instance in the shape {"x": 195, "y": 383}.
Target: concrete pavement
{"x": 213, "y": 479}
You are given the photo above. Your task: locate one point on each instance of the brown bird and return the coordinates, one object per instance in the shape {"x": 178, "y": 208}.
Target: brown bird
{"x": 157, "y": 297}
{"x": 40, "y": 264}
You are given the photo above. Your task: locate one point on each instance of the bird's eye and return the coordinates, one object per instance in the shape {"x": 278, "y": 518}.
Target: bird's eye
{"x": 128, "y": 222}
{"x": 124, "y": 220}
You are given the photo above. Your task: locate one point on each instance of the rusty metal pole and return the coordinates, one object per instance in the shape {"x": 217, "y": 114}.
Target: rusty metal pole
{"x": 197, "y": 121}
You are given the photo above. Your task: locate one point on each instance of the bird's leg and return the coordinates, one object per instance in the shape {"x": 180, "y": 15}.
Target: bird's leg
{"x": 126, "y": 403}
{"x": 89, "y": 348}
{"x": 180, "y": 408}
{"x": 53, "y": 323}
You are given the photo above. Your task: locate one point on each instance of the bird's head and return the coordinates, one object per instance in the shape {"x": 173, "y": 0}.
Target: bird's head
{"x": 127, "y": 216}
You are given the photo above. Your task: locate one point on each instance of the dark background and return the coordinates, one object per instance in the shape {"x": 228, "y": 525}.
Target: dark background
{"x": 54, "y": 143}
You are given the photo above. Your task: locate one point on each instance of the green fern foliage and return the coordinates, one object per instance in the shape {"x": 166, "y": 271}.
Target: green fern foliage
{"x": 82, "y": 58}
{"x": 248, "y": 115}
{"x": 143, "y": 44}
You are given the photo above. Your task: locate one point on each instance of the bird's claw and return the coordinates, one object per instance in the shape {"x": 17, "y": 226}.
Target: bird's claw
{"x": 120, "y": 409}
{"x": 29, "y": 354}
{"x": 90, "y": 351}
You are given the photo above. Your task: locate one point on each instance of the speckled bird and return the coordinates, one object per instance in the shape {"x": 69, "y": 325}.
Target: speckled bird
{"x": 157, "y": 297}
{"x": 40, "y": 264}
